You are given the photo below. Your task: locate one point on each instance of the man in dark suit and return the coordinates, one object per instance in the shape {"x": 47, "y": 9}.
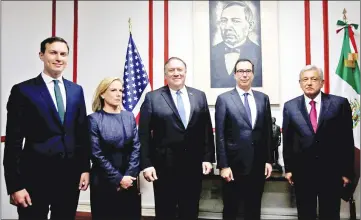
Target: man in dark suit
{"x": 177, "y": 143}
{"x": 51, "y": 167}
{"x": 243, "y": 144}
{"x": 236, "y": 23}
{"x": 318, "y": 147}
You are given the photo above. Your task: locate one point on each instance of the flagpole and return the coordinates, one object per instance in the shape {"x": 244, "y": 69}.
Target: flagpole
{"x": 130, "y": 25}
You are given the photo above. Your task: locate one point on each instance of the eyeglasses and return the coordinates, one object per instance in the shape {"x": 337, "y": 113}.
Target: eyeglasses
{"x": 247, "y": 71}
{"x": 313, "y": 80}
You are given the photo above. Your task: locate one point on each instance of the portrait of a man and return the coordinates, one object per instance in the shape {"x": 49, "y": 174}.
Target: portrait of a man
{"x": 235, "y": 32}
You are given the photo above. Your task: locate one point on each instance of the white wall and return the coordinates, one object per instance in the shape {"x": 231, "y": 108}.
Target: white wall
{"x": 103, "y": 36}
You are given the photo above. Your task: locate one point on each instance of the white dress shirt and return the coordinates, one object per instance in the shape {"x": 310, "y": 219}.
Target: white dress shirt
{"x": 251, "y": 102}
{"x": 50, "y": 84}
{"x": 317, "y": 100}
{"x": 185, "y": 98}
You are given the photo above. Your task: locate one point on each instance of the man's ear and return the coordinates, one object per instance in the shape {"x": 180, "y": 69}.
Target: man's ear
{"x": 251, "y": 26}
{"x": 41, "y": 55}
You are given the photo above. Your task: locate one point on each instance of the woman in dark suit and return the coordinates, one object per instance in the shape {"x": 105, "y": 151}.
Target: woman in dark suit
{"x": 115, "y": 155}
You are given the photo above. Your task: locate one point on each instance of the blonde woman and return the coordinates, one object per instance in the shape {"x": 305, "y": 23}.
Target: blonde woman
{"x": 115, "y": 155}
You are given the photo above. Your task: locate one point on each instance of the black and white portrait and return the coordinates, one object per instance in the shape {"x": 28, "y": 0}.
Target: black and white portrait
{"x": 235, "y": 32}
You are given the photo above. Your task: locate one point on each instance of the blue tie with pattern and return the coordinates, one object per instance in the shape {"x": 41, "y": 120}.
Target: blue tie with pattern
{"x": 59, "y": 100}
{"x": 181, "y": 109}
{"x": 248, "y": 109}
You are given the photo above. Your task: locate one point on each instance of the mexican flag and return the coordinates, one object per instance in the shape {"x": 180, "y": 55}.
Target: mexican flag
{"x": 347, "y": 84}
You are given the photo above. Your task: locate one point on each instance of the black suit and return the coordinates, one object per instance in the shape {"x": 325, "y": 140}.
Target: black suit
{"x": 54, "y": 154}
{"x": 175, "y": 152}
{"x": 219, "y": 75}
{"x": 318, "y": 160}
{"x": 244, "y": 150}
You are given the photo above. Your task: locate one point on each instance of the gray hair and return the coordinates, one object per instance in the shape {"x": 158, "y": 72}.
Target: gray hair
{"x": 312, "y": 67}
{"x": 247, "y": 10}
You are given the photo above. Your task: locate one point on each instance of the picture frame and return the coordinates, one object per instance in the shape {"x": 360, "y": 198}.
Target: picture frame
{"x": 270, "y": 51}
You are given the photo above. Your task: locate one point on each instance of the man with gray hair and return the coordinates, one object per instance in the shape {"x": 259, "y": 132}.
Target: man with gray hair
{"x": 236, "y": 23}
{"x": 318, "y": 147}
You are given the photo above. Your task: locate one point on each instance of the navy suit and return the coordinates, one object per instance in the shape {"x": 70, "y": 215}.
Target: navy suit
{"x": 219, "y": 75}
{"x": 176, "y": 152}
{"x": 115, "y": 153}
{"x": 318, "y": 160}
{"x": 244, "y": 150}
{"x": 54, "y": 154}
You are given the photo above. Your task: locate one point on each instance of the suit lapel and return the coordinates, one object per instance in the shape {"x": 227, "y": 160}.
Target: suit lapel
{"x": 168, "y": 98}
{"x": 239, "y": 104}
{"x": 45, "y": 94}
{"x": 68, "y": 93}
{"x": 259, "y": 104}
{"x": 325, "y": 103}
{"x": 192, "y": 101}
{"x": 303, "y": 109}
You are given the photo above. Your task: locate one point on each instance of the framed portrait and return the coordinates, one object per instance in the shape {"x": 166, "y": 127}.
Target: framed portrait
{"x": 225, "y": 31}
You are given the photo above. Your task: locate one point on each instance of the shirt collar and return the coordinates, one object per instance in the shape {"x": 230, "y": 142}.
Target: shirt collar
{"x": 241, "y": 91}
{"x": 47, "y": 79}
{"x": 317, "y": 99}
{"x": 183, "y": 90}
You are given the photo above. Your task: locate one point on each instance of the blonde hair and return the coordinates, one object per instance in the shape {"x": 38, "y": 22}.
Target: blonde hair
{"x": 98, "y": 101}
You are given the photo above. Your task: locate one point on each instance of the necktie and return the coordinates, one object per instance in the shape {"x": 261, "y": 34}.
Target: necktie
{"x": 59, "y": 100}
{"x": 248, "y": 109}
{"x": 232, "y": 50}
{"x": 313, "y": 115}
{"x": 181, "y": 109}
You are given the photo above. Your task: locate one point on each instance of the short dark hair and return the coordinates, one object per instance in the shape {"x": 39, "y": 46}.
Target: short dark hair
{"x": 174, "y": 58}
{"x": 247, "y": 10}
{"x": 51, "y": 40}
{"x": 242, "y": 60}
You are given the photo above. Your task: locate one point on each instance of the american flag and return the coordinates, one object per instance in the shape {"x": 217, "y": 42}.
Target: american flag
{"x": 136, "y": 83}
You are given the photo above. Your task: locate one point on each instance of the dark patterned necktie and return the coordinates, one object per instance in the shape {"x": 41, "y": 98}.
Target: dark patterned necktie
{"x": 59, "y": 100}
{"x": 246, "y": 105}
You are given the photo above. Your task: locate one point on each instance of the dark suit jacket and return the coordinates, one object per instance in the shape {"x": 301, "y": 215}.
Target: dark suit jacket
{"x": 163, "y": 137}
{"x": 332, "y": 145}
{"x": 238, "y": 145}
{"x": 115, "y": 147}
{"x": 32, "y": 115}
{"x": 219, "y": 75}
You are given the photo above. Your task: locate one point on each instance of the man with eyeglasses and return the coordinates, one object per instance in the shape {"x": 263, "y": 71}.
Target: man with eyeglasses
{"x": 243, "y": 144}
{"x": 236, "y": 23}
{"x": 318, "y": 147}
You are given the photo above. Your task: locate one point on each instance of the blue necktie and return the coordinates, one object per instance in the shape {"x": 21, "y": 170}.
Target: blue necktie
{"x": 181, "y": 109}
{"x": 59, "y": 100}
{"x": 246, "y": 105}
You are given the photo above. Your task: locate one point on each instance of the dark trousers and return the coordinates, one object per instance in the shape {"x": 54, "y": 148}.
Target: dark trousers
{"x": 177, "y": 194}
{"x": 314, "y": 186}
{"x": 109, "y": 204}
{"x": 56, "y": 188}
{"x": 246, "y": 190}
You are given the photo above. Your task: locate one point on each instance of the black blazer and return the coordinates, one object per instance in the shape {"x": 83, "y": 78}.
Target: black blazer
{"x": 115, "y": 147}
{"x": 163, "y": 136}
{"x": 238, "y": 145}
{"x": 32, "y": 115}
{"x": 332, "y": 144}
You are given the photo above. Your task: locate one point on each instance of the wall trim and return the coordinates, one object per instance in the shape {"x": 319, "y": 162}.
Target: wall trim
{"x": 326, "y": 54}
{"x": 307, "y": 32}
